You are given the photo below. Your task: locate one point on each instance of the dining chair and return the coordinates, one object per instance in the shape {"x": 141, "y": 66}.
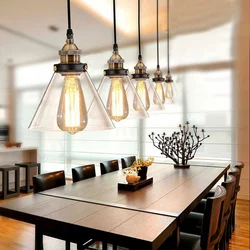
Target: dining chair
{"x": 83, "y": 172}
{"x": 238, "y": 166}
{"x": 231, "y": 226}
{"x": 109, "y": 166}
{"x": 193, "y": 224}
{"x": 211, "y": 225}
{"x": 47, "y": 181}
{"x": 127, "y": 161}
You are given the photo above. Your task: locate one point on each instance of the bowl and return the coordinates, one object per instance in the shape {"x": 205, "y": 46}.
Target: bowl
{"x": 18, "y": 144}
{"x": 10, "y": 144}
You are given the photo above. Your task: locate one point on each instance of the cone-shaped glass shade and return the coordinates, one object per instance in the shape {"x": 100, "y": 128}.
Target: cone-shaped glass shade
{"x": 71, "y": 103}
{"x": 159, "y": 88}
{"x": 148, "y": 95}
{"x": 169, "y": 90}
{"x": 118, "y": 95}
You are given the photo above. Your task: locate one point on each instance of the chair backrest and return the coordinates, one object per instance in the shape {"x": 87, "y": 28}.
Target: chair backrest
{"x": 239, "y": 166}
{"x": 128, "y": 161}
{"x": 212, "y": 219}
{"x": 83, "y": 172}
{"x": 109, "y": 166}
{"x": 236, "y": 173}
{"x": 47, "y": 181}
{"x": 229, "y": 185}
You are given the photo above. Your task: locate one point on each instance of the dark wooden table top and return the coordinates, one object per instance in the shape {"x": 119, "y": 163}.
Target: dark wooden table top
{"x": 174, "y": 192}
{"x": 124, "y": 226}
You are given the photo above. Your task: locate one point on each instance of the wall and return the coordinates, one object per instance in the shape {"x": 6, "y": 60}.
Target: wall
{"x": 242, "y": 103}
{"x": 4, "y": 94}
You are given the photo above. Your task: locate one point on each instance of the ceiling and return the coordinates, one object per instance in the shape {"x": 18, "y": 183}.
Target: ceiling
{"x": 25, "y": 36}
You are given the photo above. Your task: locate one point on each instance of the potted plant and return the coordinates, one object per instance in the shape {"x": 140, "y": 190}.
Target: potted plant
{"x": 139, "y": 167}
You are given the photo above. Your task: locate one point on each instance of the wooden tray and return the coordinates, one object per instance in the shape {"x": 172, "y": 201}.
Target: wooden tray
{"x": 135, "y": 186}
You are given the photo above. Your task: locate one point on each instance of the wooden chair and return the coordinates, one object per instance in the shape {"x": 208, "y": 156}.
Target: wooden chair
{"x": 231, "y": 226}
{"x": 47, "y": 181}
{"x": 127, "y": 161}
{"x": 44, "y": 182}
{"x": 193, "y": 224}
{"x": 83, "y": 172}
{"x": 109, "y": 166}
{"x": 239, "y": 166}
{"x": 230, "y": 186}
{"x": 212, "y": 223}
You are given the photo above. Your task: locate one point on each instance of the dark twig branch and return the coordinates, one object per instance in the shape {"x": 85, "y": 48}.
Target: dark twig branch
{"x": 180, "y": 146}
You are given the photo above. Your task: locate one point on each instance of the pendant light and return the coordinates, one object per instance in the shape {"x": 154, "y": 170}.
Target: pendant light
{"x": 144, "y": 87}
{"x": 70, "y": 102}
{"x": 116, "y": 88}
{"x": 158, "y": 79}
{"x": 169, "y": 86}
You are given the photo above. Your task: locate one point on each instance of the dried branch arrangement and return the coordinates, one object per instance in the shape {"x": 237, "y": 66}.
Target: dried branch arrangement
{"x": 181, "y": 146}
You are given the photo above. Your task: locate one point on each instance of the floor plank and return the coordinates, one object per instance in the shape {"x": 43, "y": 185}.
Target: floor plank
{"x": 241, "y": 237}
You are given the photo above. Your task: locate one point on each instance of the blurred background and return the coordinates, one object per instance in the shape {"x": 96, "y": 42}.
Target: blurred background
{"x": 209, "y": 60}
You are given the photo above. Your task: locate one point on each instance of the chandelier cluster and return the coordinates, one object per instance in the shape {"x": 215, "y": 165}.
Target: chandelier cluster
{"x": 71, "y": 102}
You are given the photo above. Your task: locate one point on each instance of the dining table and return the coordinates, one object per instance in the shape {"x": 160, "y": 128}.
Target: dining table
{"x": 96, "y": 209}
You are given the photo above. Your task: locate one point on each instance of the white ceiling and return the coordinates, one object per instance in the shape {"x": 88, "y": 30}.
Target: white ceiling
{"x": 25, "y": 37}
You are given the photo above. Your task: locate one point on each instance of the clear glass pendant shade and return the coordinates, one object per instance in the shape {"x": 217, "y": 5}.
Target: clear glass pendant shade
{"x": 148, "y": 94}
{"x": 160, "y": 91}
{"x": 169, "y": 90}
{"x": 141, "y": 89}
{"x": 71, "y": 104}
{"x": 119, "y": 95}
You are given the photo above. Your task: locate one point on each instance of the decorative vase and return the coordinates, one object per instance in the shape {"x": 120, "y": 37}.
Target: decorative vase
{"x": 131, "y": 178}
{"x": 181, "y": 166}
{"x": 143, "y": 172}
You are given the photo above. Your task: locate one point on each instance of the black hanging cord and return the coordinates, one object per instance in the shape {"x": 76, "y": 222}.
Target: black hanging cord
{"x": 69, "y": 30}
{"x": 139, "y": 29}
{"x": 157, "y": 33}
{"x": 115, "y": 46}
{"x": 168, "y": 35}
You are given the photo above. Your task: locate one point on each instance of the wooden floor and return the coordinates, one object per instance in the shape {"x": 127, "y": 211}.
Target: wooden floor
{"x": 16, "y": 235}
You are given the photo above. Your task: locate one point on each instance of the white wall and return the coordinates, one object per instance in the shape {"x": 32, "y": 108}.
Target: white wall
{"x": 4, "y": 93}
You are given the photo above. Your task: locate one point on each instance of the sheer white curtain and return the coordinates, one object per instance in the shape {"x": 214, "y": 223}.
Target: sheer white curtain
{"x": 202, "y": 66}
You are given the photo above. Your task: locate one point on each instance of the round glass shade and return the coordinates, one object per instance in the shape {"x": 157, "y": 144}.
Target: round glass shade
{"x": 118, "y": 95}
{"x": 71, "y": 103}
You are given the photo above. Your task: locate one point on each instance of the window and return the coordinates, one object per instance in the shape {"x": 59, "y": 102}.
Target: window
{"x": 203, "y": 84}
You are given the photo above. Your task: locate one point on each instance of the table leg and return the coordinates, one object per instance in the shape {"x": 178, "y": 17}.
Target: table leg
{"x": 39, "y": 168}
{"x": 38, "y": 238}
{"x": 176, "y": 237}
{"x": 28, "y": 180}
{"x": 17, "y": 181}
{"x": 4, "y": 184}
{"x": 67, "y": 245}
{"x": 104, "y": 246}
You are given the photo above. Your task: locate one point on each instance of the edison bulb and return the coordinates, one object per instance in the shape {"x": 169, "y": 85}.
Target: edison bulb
{"x": 141, "y": 89}
{"x": 117, "y": 104}
{"x": 169, "y": 90}
{"x": 72, "y": 113}
{"x": 160, "y": 91}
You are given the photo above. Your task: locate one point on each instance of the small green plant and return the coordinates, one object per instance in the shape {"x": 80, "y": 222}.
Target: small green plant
{"x": 133, "y": 169}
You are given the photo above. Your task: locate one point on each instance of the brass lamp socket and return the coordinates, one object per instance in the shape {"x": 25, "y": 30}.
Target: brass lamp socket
{"x": 158, "y": 76}
{"x": 168, "y": 78}
{"x": 115, "y": 63}
{"x": 70, "y": 59}
{"x": 140, "y": 71}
